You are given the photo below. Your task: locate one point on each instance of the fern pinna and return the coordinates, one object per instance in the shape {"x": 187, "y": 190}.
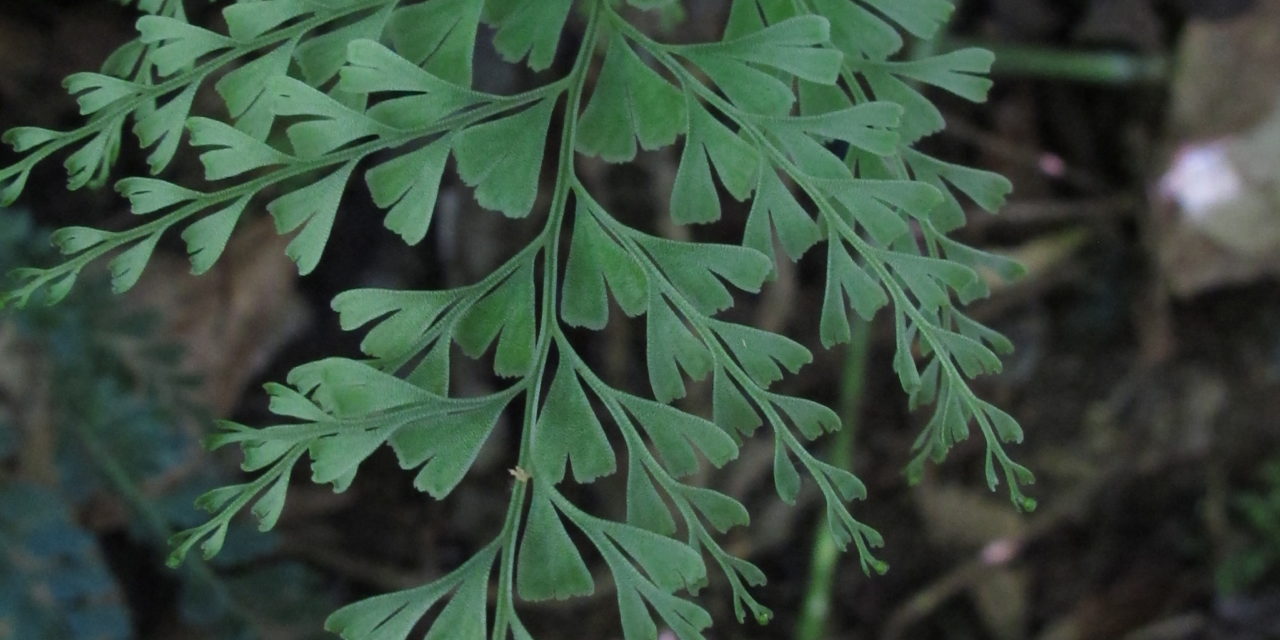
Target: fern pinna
{"x": 803, "y": 109}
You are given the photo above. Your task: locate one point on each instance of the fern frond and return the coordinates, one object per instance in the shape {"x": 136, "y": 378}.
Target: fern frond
{"x": 800, "y": 102}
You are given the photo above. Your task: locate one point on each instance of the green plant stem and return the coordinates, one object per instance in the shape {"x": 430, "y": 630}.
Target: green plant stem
{"x": 153, "y": 521}
{"x": 504, "y": 616}
{"x": 1050, "y": 63}
{"x": 815, "y": 611}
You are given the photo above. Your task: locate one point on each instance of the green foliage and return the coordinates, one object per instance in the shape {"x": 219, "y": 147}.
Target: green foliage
{"x": 801, "y": 109}
{"x": 109, "y": 398}
{"x": 1257, "y": 555}
{"x": 47, "y": 554}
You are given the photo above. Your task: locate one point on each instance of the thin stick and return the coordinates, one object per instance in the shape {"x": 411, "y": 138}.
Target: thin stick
{"x": 1094, "y": 67}
{"x": 815, "y": 612}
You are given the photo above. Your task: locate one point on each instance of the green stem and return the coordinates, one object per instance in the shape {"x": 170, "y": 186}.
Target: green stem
{"x": 815, "y": 612}
{"x": 152, "y": 519}
{"x": 1095, "y": 67}
{"x": 505, "y": 610}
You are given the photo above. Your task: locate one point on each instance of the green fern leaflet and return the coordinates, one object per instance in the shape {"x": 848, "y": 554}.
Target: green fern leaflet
{"x": 803, "y": 109}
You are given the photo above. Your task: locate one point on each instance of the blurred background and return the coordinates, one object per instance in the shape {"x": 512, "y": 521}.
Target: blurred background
{"x": 1143, "y": 138}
